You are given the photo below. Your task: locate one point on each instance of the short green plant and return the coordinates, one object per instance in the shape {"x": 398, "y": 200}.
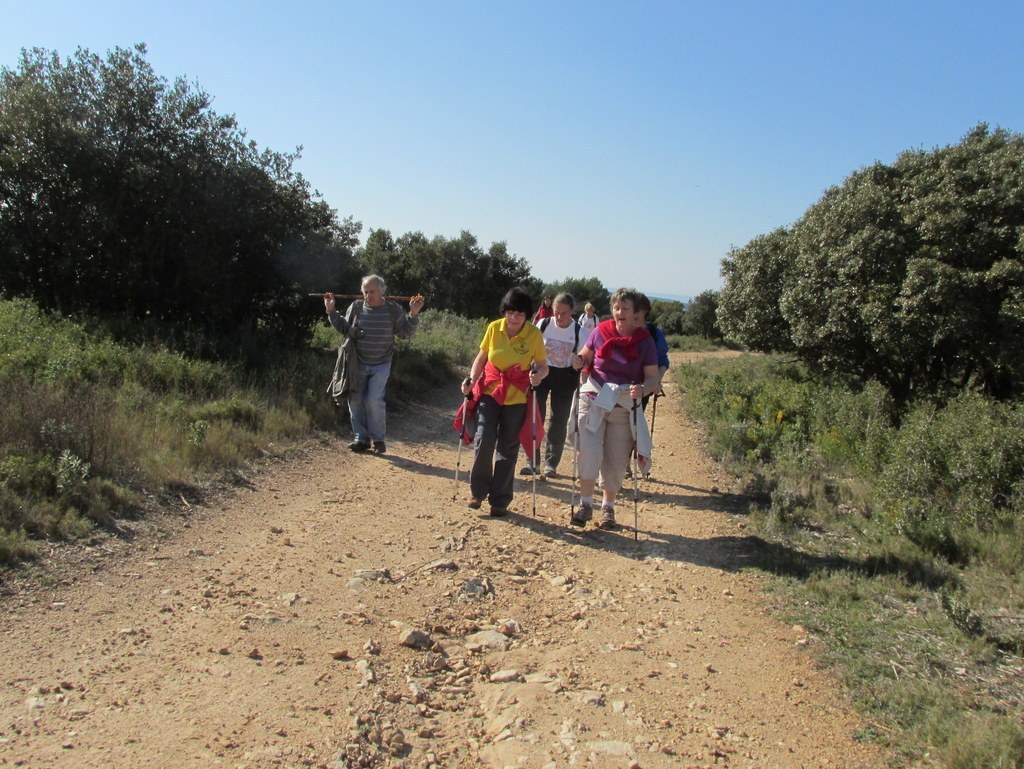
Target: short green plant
{"x": 88, "y": 423}
{"x": 895, "y": 536}
{"x": 15, "y": 546}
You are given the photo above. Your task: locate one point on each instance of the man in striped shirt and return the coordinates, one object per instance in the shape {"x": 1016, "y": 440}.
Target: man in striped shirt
{"x": 371, "y": 323}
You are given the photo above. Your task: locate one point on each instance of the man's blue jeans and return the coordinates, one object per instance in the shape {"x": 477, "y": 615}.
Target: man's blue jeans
{"x": 366, "y": 402}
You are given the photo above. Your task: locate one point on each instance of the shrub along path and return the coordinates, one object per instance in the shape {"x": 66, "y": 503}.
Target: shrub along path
{"x": 342, "y": 610}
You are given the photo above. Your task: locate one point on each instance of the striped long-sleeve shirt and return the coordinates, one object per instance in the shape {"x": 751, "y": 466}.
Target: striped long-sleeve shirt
{"x": 376, "y": 329}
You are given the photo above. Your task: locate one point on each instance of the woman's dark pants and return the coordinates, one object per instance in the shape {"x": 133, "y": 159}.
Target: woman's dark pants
{"x": 496, "y": 441}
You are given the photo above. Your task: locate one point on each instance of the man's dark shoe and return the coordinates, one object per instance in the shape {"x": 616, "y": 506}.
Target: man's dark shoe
{"x": 498, "y": 512}
{"x": 379, "y": 447}
{"x": 358, "y": 446}
{"x": 527, "y": 470}
{"x": 474, "y": 503}
{"x": 550, "y": 472}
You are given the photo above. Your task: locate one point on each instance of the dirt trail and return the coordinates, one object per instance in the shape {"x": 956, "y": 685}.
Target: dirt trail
{"x": 268, "y": 630}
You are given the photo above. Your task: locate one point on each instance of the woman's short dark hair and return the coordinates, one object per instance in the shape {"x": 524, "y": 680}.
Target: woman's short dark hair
{"x": 516, "y": 300}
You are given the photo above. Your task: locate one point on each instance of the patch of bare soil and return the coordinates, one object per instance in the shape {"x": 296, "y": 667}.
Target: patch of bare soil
{"x": 343, "y": 611}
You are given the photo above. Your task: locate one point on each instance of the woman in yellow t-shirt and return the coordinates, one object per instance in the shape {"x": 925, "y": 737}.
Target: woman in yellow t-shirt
{"x": 511, "y": 361}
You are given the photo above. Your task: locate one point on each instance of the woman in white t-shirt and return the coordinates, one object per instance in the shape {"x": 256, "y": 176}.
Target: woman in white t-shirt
{"x": 563, "y": 338}
{"x": 588, "y": 320}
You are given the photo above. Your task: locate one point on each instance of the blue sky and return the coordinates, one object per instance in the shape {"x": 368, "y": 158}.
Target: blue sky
{"x": 635, "y": 142}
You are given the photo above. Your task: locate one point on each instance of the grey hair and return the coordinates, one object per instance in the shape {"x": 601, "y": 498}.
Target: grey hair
{"x": 630, "y": 295}
{"x": 375, "y": 279}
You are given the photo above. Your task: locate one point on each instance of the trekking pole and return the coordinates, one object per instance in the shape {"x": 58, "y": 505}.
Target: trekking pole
{"x": 575, "y": 416}
{"x": 654, "y": 415}
{"x": 636, "y": 473}
{"x": 533, "y": 439}
{"x": 462, "y": 438}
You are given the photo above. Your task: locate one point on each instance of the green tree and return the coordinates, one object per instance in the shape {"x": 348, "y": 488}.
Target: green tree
{"x": 702, "y": 315}
{"x": 910, "y": 274}
{"x": 453, "y": 274}
{"x": 583, "y": 290}
{"x": 127, "y": 197}
{"x": 669, "y": 315}
{"x": 749, "y": 309}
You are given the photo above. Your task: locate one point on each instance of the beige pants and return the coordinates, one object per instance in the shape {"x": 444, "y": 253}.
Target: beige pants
{"x": 607, "y": 449}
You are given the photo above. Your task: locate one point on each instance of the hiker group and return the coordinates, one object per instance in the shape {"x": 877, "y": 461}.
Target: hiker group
{"x": 536, "y": 378}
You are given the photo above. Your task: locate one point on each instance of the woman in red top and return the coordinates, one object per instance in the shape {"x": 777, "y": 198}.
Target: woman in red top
{"x": 544, "y": 311}
{"x": 623, "y": 364}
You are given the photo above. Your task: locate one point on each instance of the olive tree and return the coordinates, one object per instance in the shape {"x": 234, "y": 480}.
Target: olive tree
{"x": 911, "y": 274}
{"x": 749, "y": 309}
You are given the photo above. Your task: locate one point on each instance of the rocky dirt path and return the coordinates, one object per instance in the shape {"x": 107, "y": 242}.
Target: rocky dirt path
{"x": 343, "y": 611}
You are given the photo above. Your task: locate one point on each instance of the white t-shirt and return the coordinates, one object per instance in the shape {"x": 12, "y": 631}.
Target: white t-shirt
{"x": 559, "y": 343}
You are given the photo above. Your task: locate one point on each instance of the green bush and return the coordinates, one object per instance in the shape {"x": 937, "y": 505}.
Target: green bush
{"x": 896, "y": 535}
{"x": 757, "y": 418}
{"x": 15, "y": 546}
{"x": 694, "y": 343}
{"x": 235, "y": 409}
{"x": 954, "y": 470}
{"x": 87, "y": 423}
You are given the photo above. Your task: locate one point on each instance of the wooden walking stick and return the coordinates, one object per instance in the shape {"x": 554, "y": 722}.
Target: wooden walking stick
{"x": 413, "y": 298}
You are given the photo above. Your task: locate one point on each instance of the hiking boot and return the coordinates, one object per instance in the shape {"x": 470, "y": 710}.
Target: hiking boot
{"x": 527, "y": 470}
{"x": 358, "y": 446}
{"x": 607, "y": 521}
{"x": 582, "y": 514}
{"x": 379, "y": 448}
{"x": 550, "y": 472}
{"x": 498, "y": 512}
{"x": 474, "y": 503}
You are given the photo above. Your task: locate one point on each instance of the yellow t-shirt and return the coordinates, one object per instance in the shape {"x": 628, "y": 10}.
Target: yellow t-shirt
{"x": 524, "y": 348}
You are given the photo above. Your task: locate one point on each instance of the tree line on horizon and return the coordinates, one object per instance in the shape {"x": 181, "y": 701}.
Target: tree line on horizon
{"x": 127, "y": 198}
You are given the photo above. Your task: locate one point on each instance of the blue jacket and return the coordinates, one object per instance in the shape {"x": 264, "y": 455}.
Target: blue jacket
{"x": 660, "y": 343}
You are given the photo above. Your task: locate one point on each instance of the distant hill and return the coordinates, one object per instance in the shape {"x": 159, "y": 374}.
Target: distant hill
{"x": 669, "y": 297}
